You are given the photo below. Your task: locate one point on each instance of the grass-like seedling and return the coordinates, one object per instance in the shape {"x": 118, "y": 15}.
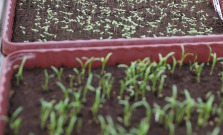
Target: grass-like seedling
{"x": 198, "y": 69}
{"x": 104, "y": 60}
{"x": 96, "y": 104}
{"x": 15, "y": 121}
{"x": 204, "y": 110}
{"x": 210, "y": 54}
{"x": 163, "y": 60}
{"x": 190, "y": 104}
{"x": 172, "y": 100}
{"x": 189, "y": 127}
{"x": 70, "y": 127}
{"x": 183, "y": 57}
{"x": 47, "y": 78}
{"x": 58, "y": 72}
{"x": 64, "y": 89}
{"x": 87, "y": 87}
{"x": 105, "y": 83}
{"x": 128, "y": 109}
{"x": 20, "y": 70}
{"x": 215, "y": 131}
{"x": 46, "y": 108}
{"x": 214, "y": 61}
{"x": 173, "y": 65}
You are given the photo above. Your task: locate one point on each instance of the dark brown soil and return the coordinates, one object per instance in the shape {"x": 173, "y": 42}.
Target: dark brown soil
{"x": 37, "y": 21}
{"x": 29, "y": 92}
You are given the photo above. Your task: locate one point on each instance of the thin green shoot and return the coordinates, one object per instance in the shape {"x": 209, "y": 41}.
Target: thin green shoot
{"x": 58, "y": 72}
{"x": 96, "y": 104}
{"x": 183, "y": 57}
{"x": 15, "y": 121}
{"x": 20, "y": 70}
{"x": 104, "y": 61}
{"x": 189, "y": 127}
{"x": 173, "y": 65}
{"x": 198, "y": 69}
{"x": 64, "y": 89}
{"x": 46, "y": 82}
{"x": 87, "y": 87}
{"x": 71, "y": 124}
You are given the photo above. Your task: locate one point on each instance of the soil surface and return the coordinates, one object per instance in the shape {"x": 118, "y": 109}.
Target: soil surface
{"x": 112, "y": 19}
{"x": 29, "y": 93}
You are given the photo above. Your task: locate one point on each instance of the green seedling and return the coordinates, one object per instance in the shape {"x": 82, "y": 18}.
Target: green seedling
{"x": 184, "y": 55}
{"x": 214, "y": 61}
{"x": 102, "y": 124}
{"x": 89, "y": 62}
{"x": 155, "y": 76}
{"x": 15, "y": 121}
{"x": 104, "y": 61}
{"x": 20, "y": 70}
{"x": 198, "y": 69}
{"x": 172, "y": 100}
{"x": 215, "y": 131}
{"x": 46, "y": 108}
{"x": 160, "y": 89}
{"x": 204, "y": 110}
{"x": 160, "y": 112}
{"x": 64, "y": 89}
{"x": 174, "y": 65}
{"x": 105, "y": 83}
{"x": 171, "y": 128}
{"x": 189, "y": 127}
{"x": 163, "y": 60}
{"x": 128, "y": 109}
{"x": 143, "y": 128}
{"x": 87, "y": 87}
{"x": 190, "y": 105}
{"x": 58, "y": 72}
{"x": 76, "y": 104}
{"x": 71, "y": 82}
{"x": 47, "y": 78}
{"x": 71, "y": 124}
{"x": 79, "y": 75}
{"x": 79, "y": 125}
{"x": 210, "y": 54}
{"x": 96, "y": 104}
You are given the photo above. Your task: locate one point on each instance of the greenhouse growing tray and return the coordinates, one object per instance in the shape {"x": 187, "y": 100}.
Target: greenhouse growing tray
{"x": 66, "y": 57}
{"x": 8, "y": 46}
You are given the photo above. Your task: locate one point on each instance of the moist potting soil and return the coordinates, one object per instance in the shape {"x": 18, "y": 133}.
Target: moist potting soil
{"x": 29, "y": 92}
{"x": 112, "y": 19}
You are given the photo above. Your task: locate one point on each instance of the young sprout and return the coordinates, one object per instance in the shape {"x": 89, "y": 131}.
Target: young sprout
{"x": 171, "y": 128}
{"x": 102, "y": 124}
{"x": 15, "y": 121}
{"x": 210, "y": 54}
{"x": 64, "y": 89}
{"x": 79, "y": 75}
{"x": 215, "y": 59}
{"x": 87, "y": 87}
{"x": 79, "y": 126}
{"x": 174, "y": 65}
{"x": 96, "y": 104}
{"x": 70, "y": 127}
{"x": 128, "y": 109}
{"x": 89, "y": 62}
{"x": 198, "y": 69}
{"x": 190, "y": 104}
{"x": 184, "y": 55}
{"x": 160, "y": 112}
{"x": 46, "y": 108}
{"x": 204, "y": 110}
{"x": 215, "y": 131}
{"x": 143, "y": 128}
{"x": 160, "y": 89}
{"x": 71, "y": 82}
{"x": 58, "y": 72}
{"x": 105, "y": 83}
{"x": 172, "y": 100}
{"x": 20, "y": 71}
{"x": 104, "y": 61}
{"x": 189, "y": 127}
{"x": 163, "y": 60}
{"x": 47, "y": 77}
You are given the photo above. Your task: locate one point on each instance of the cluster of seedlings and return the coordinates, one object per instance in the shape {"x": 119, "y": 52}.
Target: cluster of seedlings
{"x": 111, "y": 19}
{"x": 142, "y": 77}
